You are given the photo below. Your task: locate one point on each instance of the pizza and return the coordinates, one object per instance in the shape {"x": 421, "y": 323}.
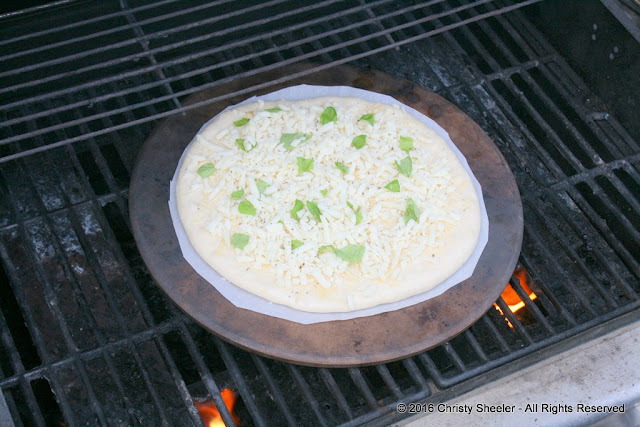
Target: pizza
{"x": 329, "y": 204}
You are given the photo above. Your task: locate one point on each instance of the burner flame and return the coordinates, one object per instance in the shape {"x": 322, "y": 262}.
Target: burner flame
{"x": 209, "y": 412}
{"x": 510, "y": 296}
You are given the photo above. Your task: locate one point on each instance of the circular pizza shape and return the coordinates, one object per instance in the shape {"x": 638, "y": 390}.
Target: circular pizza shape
{"x": 341, "y": 343}
{"x": 329, "y": 204}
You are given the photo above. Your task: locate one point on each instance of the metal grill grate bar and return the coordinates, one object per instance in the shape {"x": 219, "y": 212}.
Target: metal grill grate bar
{"x": 240, "y": 382}
{"x": 38, "y": 342}
{"x": 280, "y": 401}
{"x": 530, "y": 305}
{"x": 546, "y": 100}
{"x": 389, "y": 381}
{"x": 306, "y": 392}
{"x": 497, "y": 335}
{"x": 361, "y": 384}
{"x": 517, "y": 325}
{"x": 33, "y": 9}
{"x": 84, "y": 305}
{"x": 181, "y": 76}
{"x": 207, "y": 379}
{"x": 415, "y": 374}
{"x": 331, "y": 384}
{"x": 475, "y": 345}
{"x": 181, "y": 386}
{"x": 453, "y": 355}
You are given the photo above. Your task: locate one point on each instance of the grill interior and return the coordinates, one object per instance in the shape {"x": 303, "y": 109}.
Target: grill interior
{"x": 87, "y": 337}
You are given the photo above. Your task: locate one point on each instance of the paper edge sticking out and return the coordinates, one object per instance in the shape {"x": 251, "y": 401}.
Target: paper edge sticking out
{"x": 246, "y": 300}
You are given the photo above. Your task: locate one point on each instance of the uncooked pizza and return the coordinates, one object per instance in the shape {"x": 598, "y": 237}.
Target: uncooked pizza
{"x": 327, "y": 204}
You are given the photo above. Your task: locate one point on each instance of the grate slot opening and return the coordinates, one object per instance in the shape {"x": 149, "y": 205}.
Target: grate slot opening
{"x": 567, "y": 295}
{"x": 475, "y": 345}
{"x": 116, "y": 165}
{"x": 497, "y": 59}
{"x": 529, "y": 318}
{"x": 92, "y": 172}
{"x": 47, "y": 402}
{"x": 333, "y": 406}
{"x": 602, "y": 230}
{"x": 354, "y": 397}
{"x": 555, "y": 311}
{"x": 440, "y": 360}
{"x": 112, "y": 395}
{"x": 529, "y": 164}
{"x": 211, "y": 388}
{"x": 181, "y": 357}
{"x": 389, "y": 382}
{"x": 17, "y": 330}
{"x": 402, "y": 377}
{"x": 463, "y": 349}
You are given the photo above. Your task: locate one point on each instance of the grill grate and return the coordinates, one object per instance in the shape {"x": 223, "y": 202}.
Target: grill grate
{"x": 170, "y": 54}
{"x": 85, "y": 334}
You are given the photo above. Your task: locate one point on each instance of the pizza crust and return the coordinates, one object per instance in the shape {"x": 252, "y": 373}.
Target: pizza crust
{"x": 353, "y": 288}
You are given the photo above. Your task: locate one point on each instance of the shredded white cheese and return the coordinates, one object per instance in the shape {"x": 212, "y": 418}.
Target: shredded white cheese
{"x": 389, "y": 242}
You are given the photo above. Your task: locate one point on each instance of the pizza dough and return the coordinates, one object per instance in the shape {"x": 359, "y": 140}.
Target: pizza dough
{"x": 327, "y": 204}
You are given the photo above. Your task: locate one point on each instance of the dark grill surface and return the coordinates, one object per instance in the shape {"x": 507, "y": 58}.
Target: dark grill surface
{"x": 86, "y": 336}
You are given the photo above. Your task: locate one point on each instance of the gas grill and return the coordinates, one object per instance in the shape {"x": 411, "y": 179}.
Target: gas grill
{"x": 87, "y": 337}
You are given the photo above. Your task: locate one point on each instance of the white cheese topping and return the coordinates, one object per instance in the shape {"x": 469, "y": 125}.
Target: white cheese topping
{"x": 390, "y": 243}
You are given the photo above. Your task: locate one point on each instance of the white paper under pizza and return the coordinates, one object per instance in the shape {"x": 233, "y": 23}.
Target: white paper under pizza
{"x": 246, "y": 300}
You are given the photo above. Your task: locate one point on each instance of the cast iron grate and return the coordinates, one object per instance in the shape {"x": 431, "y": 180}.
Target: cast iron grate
{"x": 86, "y": 336}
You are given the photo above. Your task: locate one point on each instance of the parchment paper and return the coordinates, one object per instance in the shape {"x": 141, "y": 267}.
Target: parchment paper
{"x": 246, "y": 300}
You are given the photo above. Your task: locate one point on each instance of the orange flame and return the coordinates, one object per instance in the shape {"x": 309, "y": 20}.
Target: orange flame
{"x": 209, "y": 413}
{"x": 510, "y": 296}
